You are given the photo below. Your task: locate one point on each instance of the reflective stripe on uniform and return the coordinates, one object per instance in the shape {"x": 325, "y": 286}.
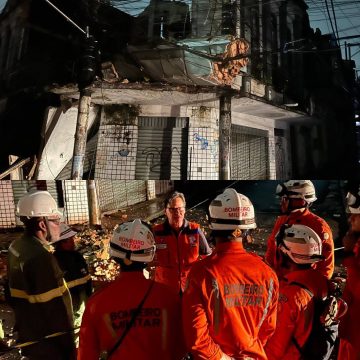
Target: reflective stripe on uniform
{"x": 216, "y": 289}
{"x": 270, "y": 294}
{"x": 80, "y": 281}
{"x": 39, "y": 298}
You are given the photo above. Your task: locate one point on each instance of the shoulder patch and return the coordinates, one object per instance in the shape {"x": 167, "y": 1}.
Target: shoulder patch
{"x": 326, "y": 236}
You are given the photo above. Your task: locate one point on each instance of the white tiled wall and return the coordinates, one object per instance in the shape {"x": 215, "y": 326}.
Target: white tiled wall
{"x": 203, "y": 154}
{"x": 7, "y": 205}
{"x": 76, "y": 209}
{"x": 116, "y": 152}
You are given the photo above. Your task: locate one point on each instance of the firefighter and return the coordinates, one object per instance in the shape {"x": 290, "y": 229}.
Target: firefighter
{"x": 296, "y": 198}
{"x": 179, "y": 244}
{"x": 133, "y": 317}
{"x": 349, "y": 325}
{"x": 75, "y": 270}
{"x": 38, "y": 293}
{"x": 299, "y": 247}
{"x": 229, "y": 304}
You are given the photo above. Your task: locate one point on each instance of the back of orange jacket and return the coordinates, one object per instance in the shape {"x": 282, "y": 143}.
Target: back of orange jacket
{"x": 295, "y": 313}
{"x": 229, "y": 305}
{"x": 349, "y": 325}
{"x": 319, "y": 225}
{"x": 156, "y": 333}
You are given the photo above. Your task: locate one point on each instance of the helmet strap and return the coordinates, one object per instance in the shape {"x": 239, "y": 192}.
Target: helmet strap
{"x": 295, "y": 204}
{"x": 48, "y": 237}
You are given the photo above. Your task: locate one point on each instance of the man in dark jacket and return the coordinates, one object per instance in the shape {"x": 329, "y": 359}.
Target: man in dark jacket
{"x": 38, "y": 293}
{"x": 76, "y": 273}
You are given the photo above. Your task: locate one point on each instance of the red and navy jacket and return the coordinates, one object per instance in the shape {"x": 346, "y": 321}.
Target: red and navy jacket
{"x": 177, "y": 252}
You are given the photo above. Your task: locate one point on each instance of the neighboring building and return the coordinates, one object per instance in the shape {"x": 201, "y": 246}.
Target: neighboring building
{"x": 155, "y": 113}
{"x": 72, "y": 197}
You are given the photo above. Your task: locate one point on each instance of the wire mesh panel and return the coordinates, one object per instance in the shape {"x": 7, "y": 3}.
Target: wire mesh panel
{"x": 76, "y": 209}
{"x": 7, "y": 205}
{"x": 116, "y": 152}
{"x": 203, "y": 154}
{"x": 249, "y": 154}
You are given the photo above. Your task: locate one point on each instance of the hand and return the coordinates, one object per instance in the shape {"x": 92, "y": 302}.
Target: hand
{"x": 349, "y": 241}
{"x": 226, "y": 357}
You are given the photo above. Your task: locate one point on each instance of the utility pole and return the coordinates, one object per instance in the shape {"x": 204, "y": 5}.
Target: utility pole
{"x": 224, "y": 136}
{"x": 77, "y": 168}
{"x": 86, "y": 76}
{"x": 94, "y": 211}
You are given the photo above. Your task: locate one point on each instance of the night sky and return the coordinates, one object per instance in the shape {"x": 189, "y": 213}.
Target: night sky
{"x": 347, "y": 15}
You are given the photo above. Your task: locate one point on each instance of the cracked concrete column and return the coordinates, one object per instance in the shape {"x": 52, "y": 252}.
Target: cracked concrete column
{"x": 224, "y": 137}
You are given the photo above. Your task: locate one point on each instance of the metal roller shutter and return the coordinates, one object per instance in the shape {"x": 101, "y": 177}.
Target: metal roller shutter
{"x": 117, "y": 194}
{"x": 249, "y": 153}
{"x": 162, "y": 148}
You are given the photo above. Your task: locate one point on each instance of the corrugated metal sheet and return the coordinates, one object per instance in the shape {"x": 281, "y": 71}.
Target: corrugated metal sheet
{"x": 162, "y": 148}
{"x": 163, "y": 186}
{"x": 249, "y": 153}
{"x": 117, "y": 194}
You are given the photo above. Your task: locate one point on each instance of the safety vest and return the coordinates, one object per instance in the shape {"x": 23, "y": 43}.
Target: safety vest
{"x": 175, "y": 253}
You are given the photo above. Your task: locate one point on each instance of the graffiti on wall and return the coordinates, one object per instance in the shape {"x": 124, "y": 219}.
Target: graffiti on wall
{"x": 205, "y": 144}
{"x": 157, "y": 158}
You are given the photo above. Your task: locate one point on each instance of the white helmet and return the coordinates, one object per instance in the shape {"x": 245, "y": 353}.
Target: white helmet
{"x": 66, "y": 232}
{"x": 230, "y": 211}
{"x": 301, "y": 243}
{"x": 134, "y": 241}
{"x": 353, "y": 203}
{"x": 297, "y": 189}
{"x": 37, "y": 203}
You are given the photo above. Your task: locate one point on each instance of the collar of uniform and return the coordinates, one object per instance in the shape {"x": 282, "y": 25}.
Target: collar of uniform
{"x": 311, "y": 279}
{"x": 298, "y": 214}
{"x": 167, "y": 226}
{"x": 230, "y": 246}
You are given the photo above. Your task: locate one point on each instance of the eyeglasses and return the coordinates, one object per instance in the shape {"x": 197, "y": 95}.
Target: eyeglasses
{"x": 55, "y": 221}
{"x": 178, "y": 209}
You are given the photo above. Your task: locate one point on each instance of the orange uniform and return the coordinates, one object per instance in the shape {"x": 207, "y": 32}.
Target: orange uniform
{"x": 319, "y": 225}
{"x": 176, "y": 253}
{"x": 229, "y": 305}
{"x": 156, "y": 333}
{"x": 295, "y": 313}
{"x": 349, "y": 325}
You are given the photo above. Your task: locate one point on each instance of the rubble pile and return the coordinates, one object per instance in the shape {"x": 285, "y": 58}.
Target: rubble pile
{"x": 93, "y": 244}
